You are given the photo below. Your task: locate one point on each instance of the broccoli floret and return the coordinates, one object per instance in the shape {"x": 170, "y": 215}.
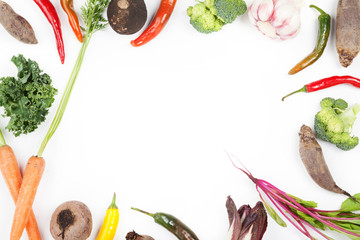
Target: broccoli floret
{"x": 203, "y": 20}
{"x": 327, "y": 102}
{"x": 341, "y": 104}
{"x": 333, "y": 123}
{"x": 228, "y": 10}
{"x": 209, "y": 16}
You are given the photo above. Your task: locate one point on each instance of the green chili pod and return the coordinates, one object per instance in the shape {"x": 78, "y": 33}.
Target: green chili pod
{"x": 172, "y": 224}
{"x": 323, "y": 36}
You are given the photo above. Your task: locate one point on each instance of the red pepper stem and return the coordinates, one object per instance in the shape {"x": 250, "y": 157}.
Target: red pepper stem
{"x": 303, "y": 89}
{"x": 139, "y": 210}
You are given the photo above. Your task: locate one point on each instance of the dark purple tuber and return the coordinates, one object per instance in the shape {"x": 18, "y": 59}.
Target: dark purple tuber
{"x": 71, "y": 221}
{"x": 127, "y": 16}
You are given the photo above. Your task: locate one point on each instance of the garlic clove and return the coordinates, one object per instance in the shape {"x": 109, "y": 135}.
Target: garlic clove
{"x": 252, "y": 13}
{"x": 282, "y": 14}
{"x": 292, "y": 28}
{"x": 299, "y": 3}
{"x": 255, "y": 9}
{"x": 267, "y": 29}
{"x": 286, "y": 20}
{"x": 277, "y": 19}
{"x": 265, "y": 10}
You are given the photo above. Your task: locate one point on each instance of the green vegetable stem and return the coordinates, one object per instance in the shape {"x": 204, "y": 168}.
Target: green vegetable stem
{"x": 2, "y": 139}
{"x": 92, "y": 15}
{"x": 172, "y": 224}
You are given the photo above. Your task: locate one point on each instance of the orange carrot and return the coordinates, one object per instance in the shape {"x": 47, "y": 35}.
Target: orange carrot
{"x": 35, "y": 166}
{"x": 32, "y": 176}
{"x": 11, "y": 173}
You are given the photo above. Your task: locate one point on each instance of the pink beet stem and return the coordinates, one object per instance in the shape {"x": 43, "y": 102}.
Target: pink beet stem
{"x": 281, "y": 211}
{"x": 277, "y": 196}
{"x": 299, "y": 220}
{"x": 292, "y": 203}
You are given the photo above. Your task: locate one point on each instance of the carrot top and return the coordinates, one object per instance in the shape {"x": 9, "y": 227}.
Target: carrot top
{"x": 92, "y": 15}
{"x": 2, "y": 139}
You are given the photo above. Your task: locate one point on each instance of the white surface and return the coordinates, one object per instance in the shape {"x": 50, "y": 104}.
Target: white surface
{"x": 152, "y": 123}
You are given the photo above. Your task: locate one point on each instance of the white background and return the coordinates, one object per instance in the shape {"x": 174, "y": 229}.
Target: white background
{"x": 153, "y": 123}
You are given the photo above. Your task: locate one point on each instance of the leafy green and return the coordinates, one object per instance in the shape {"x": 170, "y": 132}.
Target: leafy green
{"x": 305, "y": 203}
{"x": 350, "y": 205}
{"x": 27, "y": 99}
{"x": 309, "y": 219}
{"x": 274, "y": 215}
{"x": 92, "y": 14}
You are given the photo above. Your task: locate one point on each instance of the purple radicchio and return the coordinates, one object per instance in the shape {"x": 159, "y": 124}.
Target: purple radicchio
{"x": 246, "y": 223}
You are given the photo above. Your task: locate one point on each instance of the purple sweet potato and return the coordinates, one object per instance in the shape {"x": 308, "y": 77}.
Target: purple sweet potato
{"x": 348, "y": 31}
{"x": 16, "y": 25}
{"x": 312, "y": 156}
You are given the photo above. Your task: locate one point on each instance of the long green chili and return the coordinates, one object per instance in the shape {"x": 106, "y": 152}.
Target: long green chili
{"x": 323, "y": 36}
{"x": 172, "y": 224}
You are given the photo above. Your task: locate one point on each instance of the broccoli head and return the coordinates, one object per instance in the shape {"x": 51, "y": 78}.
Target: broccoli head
{"x": 228, "y": 10}
{"x": 203, "y": 19}
{"x": 333, "y": 123}
{"x": 209, "y": 16}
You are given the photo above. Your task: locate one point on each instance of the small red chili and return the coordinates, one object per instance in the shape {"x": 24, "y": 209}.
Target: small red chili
{"x": 157, "y": 24}
{"x": 68, "y": 7}
{"x": 326, "y": 83}
{"x": 50, "y": 13}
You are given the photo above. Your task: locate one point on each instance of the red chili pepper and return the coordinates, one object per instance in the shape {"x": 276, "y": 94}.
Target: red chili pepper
{"x": 326, "y": 83}
{"x": 49, "y": 11}
{"x": 67, "y": 6}
{"x": 157, "y": 24}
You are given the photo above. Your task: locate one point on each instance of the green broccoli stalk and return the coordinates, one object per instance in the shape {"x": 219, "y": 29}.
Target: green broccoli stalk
{"x": 334, "y": 122}
{"x": 209, "y": 16}
{"x": 27, "y": 98}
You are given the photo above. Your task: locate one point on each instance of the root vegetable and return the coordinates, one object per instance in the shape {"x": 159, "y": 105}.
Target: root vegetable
{"x": 134, "y": 236}
{"x": 312, "y": 156}
{"x": 127, "y": 16}
{"x": 71, "y": 221}
{"x": 92, "y": 14}
{"x": 348, "y": 30}
{"x": 34, "y": 170}
{"x": 16, "y": 25}
{"x": 10, "y": 170}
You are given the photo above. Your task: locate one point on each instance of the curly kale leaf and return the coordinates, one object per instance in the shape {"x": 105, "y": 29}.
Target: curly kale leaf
{"x": 27, "y": 99}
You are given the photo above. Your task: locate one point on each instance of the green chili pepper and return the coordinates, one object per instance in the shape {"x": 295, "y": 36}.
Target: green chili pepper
{"x": 171, "y": 223}
{"x": 323, "y": 36}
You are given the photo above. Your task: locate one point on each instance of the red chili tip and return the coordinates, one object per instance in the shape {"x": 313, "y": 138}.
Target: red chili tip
{"x": 133, "y": 43}
{"x": 80, "y": 38}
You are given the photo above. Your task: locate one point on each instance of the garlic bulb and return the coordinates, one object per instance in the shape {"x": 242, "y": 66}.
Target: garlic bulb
{"x": 277, "y": 19}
